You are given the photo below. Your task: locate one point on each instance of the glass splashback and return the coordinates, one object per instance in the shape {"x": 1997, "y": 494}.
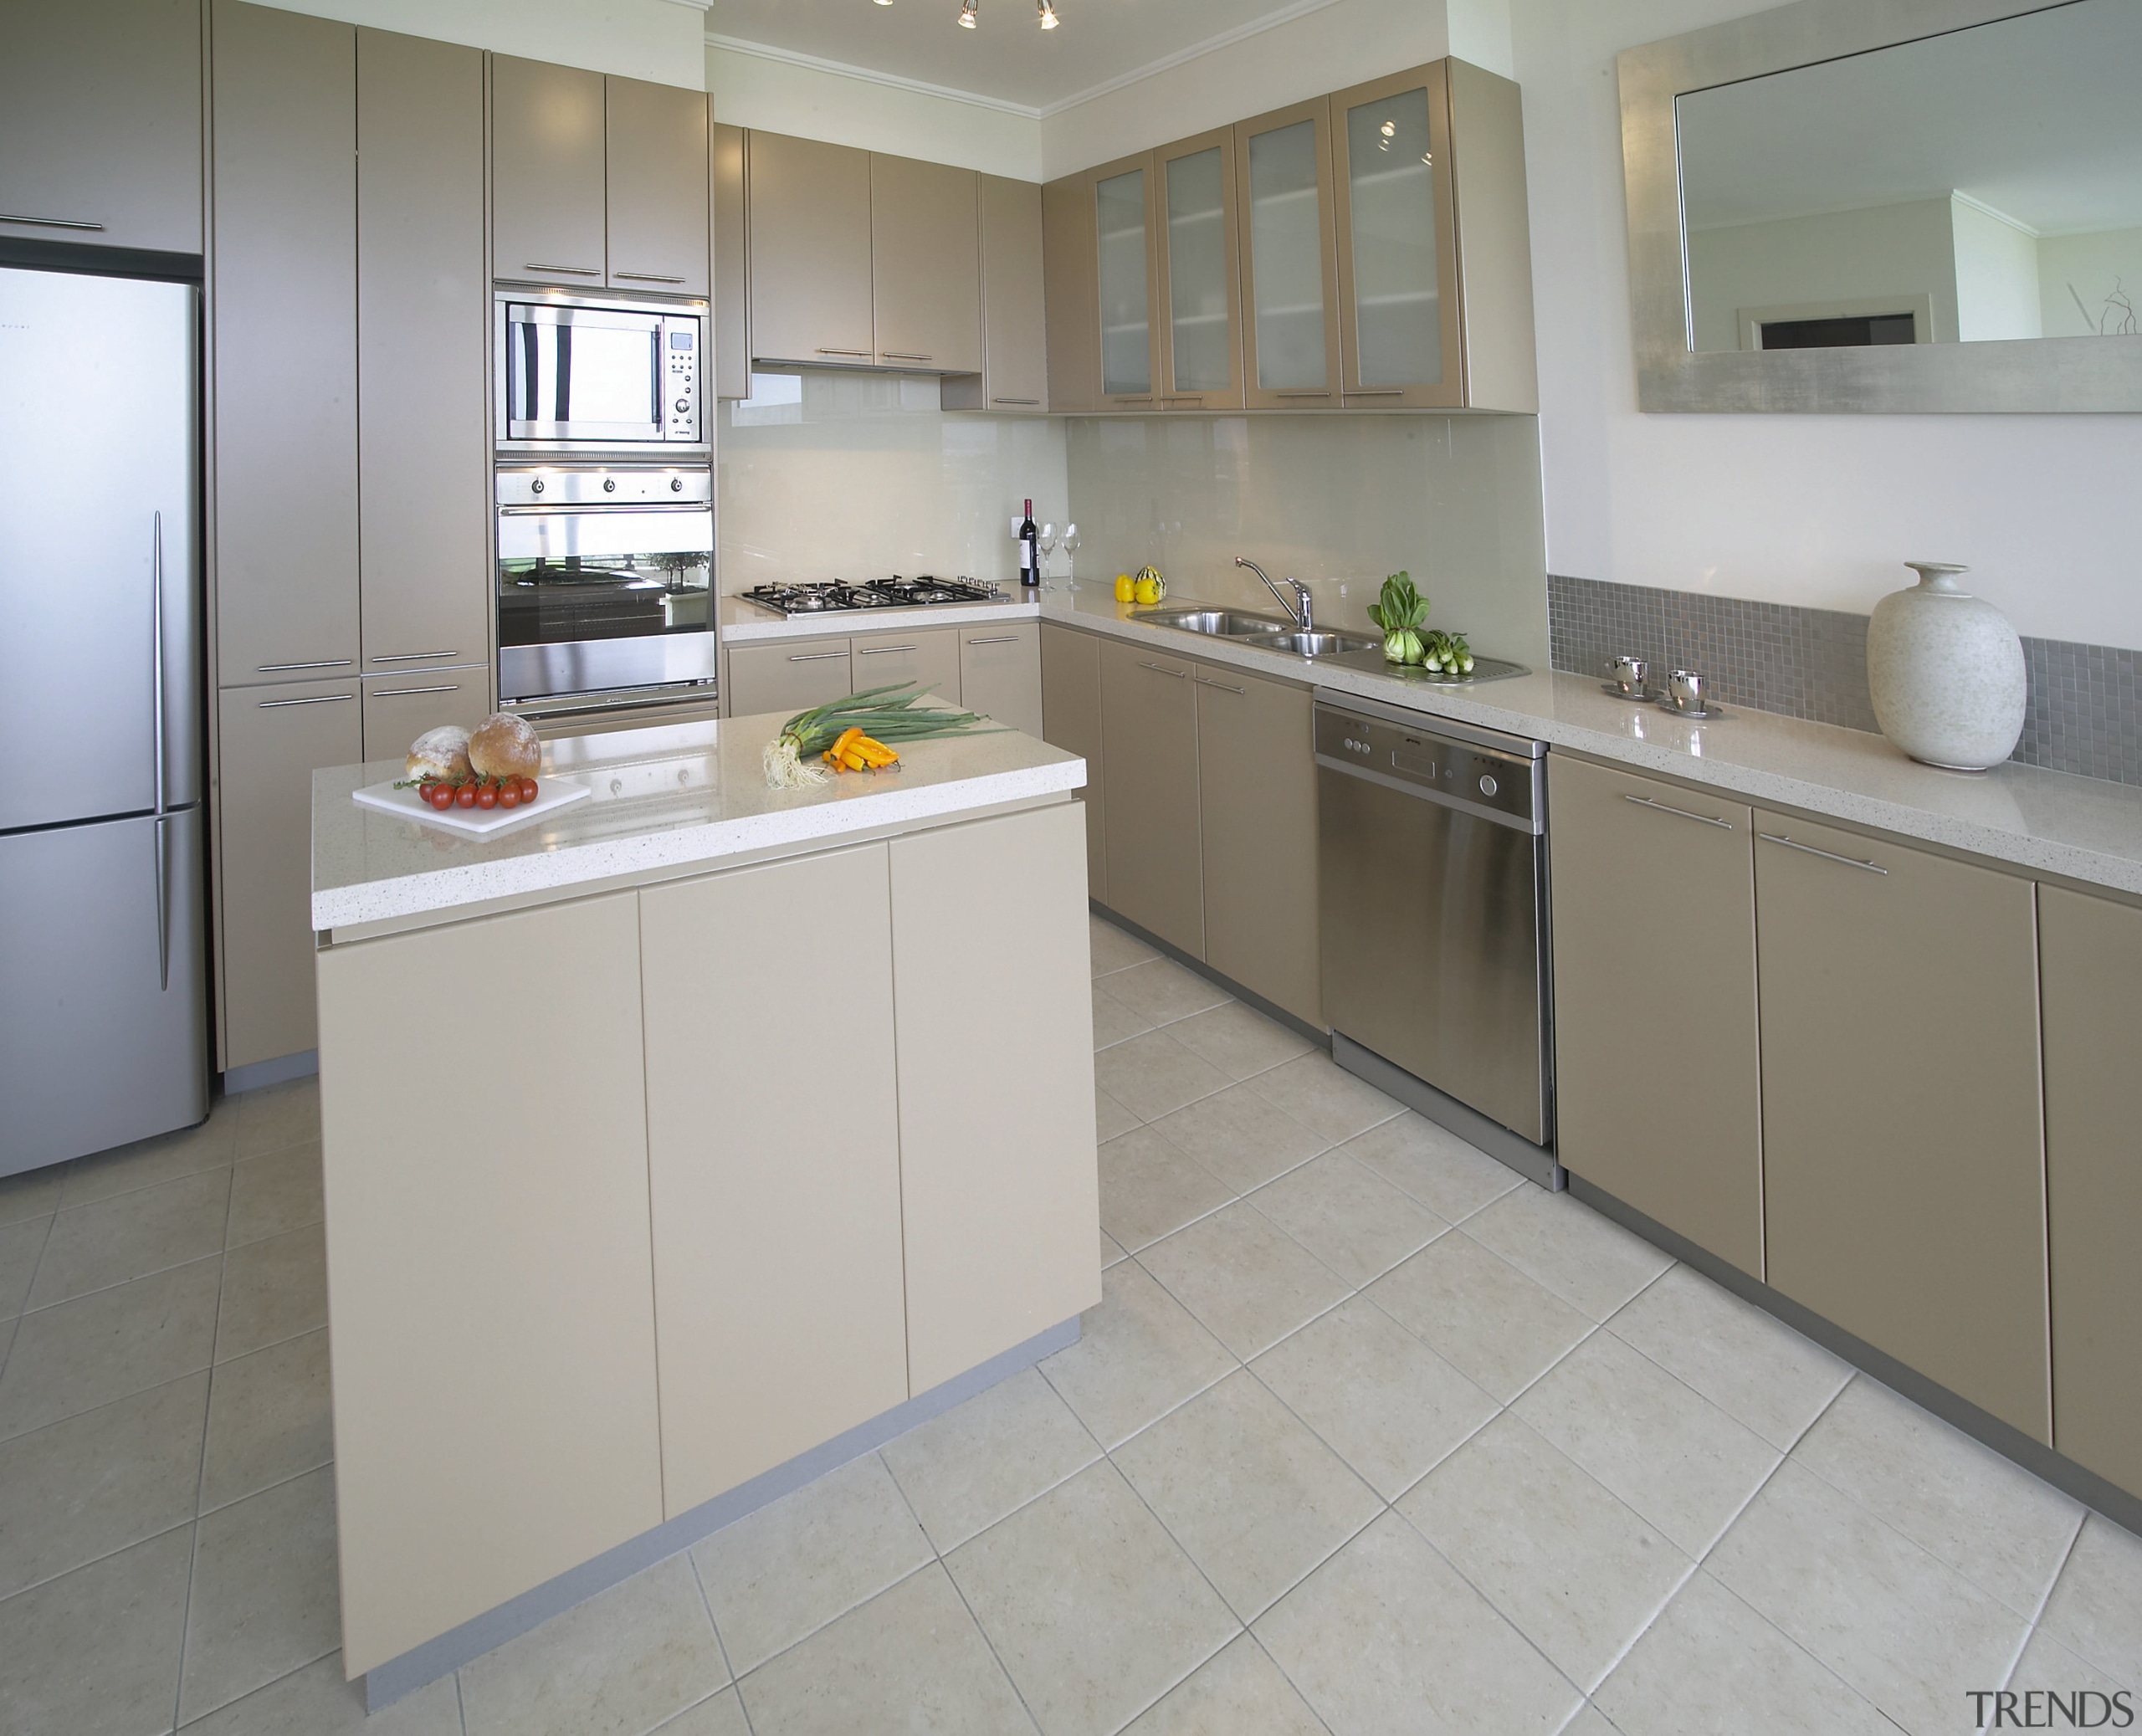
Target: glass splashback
{"x": 1200, "y": 352}
{"x": 1126, "y": 306}
{"x": 1391, "y": 191}
{"x": 1286, "y": 238}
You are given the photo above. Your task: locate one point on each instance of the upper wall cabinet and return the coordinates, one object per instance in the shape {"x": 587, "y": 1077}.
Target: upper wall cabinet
{"x": 549, "y": 184}
{"x": 732, "y": 335}
{"x": 100, "y": 123}
{"x": 1289, "y": 259}
{"x": 808, "y": 210}
{"x": 925, "y": 265}
{"x": 1199, "y": 360}
{"x": 1014, "y": 376}
{"x": 657, "y": 168}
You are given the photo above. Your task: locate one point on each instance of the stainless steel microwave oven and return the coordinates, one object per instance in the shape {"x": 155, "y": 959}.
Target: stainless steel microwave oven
{"x": 577, "y": 374}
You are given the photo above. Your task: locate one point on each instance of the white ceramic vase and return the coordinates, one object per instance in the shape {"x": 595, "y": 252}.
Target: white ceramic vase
{"x": 1946, "y": 672}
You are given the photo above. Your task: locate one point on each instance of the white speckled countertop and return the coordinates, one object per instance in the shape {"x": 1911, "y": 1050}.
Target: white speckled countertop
{"x": 675, "y": 797}
{"x": 743, "y": 623}
{"x": 2084, "y": 829}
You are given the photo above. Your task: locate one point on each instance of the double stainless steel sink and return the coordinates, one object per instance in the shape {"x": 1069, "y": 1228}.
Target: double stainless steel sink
{"x": 1267, "y": 632}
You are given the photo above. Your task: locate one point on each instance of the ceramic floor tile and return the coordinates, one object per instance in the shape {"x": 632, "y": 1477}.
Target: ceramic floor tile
{"x": 1253, "y": 1495}
{"x": 1110, "y": 1118}
{"x": 720, "y": 1714}
{"x": 1387, "y": 1404}
{"x": 96, "y": 1653}
{"x": 1710, "y": 1664}
{"x": 277, "y": 1117}
{"x": 1497, "y": 1327}
{"x": 1750, "y": 1366}
{"x": 1245, "y": 1279}
{"x": 1589, "y": 1722}
{"x": 1153, "y": 1074}
{"x": 1161, "y": 991}
{"x": 1662, "y": 1447}
{"x": 270, "y": 1195}
{"x": 102, "y": 1346}
{"x": 788, "y": 1570}
{"x": 1352, "y": 1219}
{"x": 1238, "y": 1693}
{"x": 1092, "y": 1607}
{"x": 1324, "y": 1097}
{"x": 1241, "y": 1138}
{"x": 1111, "y": 1251}
{"x": 1115, "y": 950}
{"x": 1138, "y": 1356}
{"x": 76, "y": 1491}
{"x": 1149, "y": 1189}
{"x": 272, "y": 1289}
{"x": 21, "y": 1243}
{"x": 1386, "y": 1638}
{"x": 1114, "y": 1022}
{"x": 2047, "y": 1667}
{"x": 147, "y": 1162}
{"x": 31, "y": 1193}
{"x": 910, "y": 1660}
{"x": 1239, "y": 1039}
{"x": 616, "y": 1665}
{"x": 1449, "y": 1177}
{"x": 132, "y": 1234}
{"x": 1905, "y": 1630}
{"x": 964, "y": 1470}
{"x": 316, "y": 1701}
{"x": 1578, "y": 1572}
{"x": 268, "y": 1420}
{"x": 2095, "y": 1607}
{"x": 1590, "y": 1263}
{"x": 1986, "y": 1516}
{"x": 264, "y": 1599}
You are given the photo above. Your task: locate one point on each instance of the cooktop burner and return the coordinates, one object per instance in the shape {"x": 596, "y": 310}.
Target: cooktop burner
{"x": 895, "y": 593}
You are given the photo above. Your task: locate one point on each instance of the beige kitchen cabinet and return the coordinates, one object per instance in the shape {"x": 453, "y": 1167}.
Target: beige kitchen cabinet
{"x": 1014, "y": 376}
{"x": 1903, "y": 1165}
{"x": 1198, "y": 285}
{"x": 808, "y": 210}
{"x": 1126, "y": 258}
{"x": 1289, "y": 259}
{"x": 1071, "y": 275}
{"x": 1149, "y": 739}
{"x": 423, "y": 449}
{"x": 1257, "y": 817}
{"x": 931, "y": 656}
{"x": 732, "y": 339}
{"x": 489, "y": 1272}
{"x": 398, "y": 708}
{"x": 549, "y": 183}
{"x": 2090, "y": 964}
{"x": 656, "y": 170}
{"x": 1658, "y": 1069}
{"x": 1071, "y": 719}
{"x": 1000, "y": 674}
{"x": 283, "y": 283}
{"x": 925, "y": 265}
{"x": 100, "y": 123}
{"x": 778, "y": 1277}
{"x": 785, "y": 675}
{"x": 271, "y": 740}
{"x": 990, "y": 933}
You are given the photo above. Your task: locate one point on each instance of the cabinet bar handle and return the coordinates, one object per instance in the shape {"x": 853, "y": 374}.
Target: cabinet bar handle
{"x": 323, "y": 699}
{"x": 1015, "y": 400}
{"x": 404, "y": 693}
{"x": 332, "y": 662}
{"x": 1001, "y": 639}
{"x": 904, "y": 356}
{"x": 413, "y": 656}
{"x": 648, "y": 277}
{"x": 879, "y": 650}
{"x": 568, "y": 270}
{"x": 1186, "y": 398}
{"x": 1663, "y": 808}
{"x": 823, "y": 351}
{"x": 1324, "y": 394}
{"x": 1162, "y": 669}
{"x": 1146, "y": 399}
{"x": 1872, "y": 868}
{"x": 1203, "y": 682}
{"x": 51, "y": 223}
{"x": 1375, "y": 392}
{"x": 814, "y": 656}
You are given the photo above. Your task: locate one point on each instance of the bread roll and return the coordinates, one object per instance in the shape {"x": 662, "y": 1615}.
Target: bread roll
{"x": 440, "y": 753}
{"x": 504, "y": 745}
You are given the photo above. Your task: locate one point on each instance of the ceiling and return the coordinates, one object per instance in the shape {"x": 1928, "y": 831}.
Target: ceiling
{"x": 1008, "y": 60}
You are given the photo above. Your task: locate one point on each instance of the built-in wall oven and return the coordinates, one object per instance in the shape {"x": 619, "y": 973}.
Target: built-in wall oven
{"x": 575, "y": 373}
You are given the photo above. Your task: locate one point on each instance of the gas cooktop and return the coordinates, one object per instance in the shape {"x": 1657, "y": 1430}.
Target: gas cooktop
{"x": 896, "y": 593}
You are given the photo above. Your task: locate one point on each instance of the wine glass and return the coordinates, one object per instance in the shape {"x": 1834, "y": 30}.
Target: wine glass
{"x": 1070, "y": 549}
{"x": 1047, "y": 547}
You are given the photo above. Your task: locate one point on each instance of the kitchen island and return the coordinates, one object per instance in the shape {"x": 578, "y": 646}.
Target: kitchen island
{"x": 678, "y": 1144}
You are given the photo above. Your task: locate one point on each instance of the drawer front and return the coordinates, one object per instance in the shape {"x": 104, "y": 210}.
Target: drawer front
{"x": 786, "y": 676}
{"x": 1000, "y": 674}
{"x": 931, "y": 657}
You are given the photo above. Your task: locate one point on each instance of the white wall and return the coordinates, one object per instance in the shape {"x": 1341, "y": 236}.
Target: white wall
{"x": 1817, "y": 510}
{"x": 1901, "y": 251}
{"x": 2098, "y": 265}
{"x": 1996, "y": 275}
{"x": 655, "y": 40}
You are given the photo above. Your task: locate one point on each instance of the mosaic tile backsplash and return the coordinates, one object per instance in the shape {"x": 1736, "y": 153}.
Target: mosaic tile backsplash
{"x": 2085, "y": 712}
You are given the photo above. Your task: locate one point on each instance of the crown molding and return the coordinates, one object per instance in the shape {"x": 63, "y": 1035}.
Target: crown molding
{"x": 697, "y": 6}
{"x": 871, "y": 76}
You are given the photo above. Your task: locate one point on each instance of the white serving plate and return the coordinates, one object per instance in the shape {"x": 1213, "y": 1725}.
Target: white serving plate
{"x": 551, "y": 793}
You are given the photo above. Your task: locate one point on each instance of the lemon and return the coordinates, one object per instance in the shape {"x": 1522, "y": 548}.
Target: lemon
{"x": 1126, "y": 591}
{"x": 1147, "y": 592}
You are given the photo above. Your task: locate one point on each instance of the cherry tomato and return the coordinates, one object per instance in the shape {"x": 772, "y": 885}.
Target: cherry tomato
{"x": 442, "y": 795}
{"x": 424, "y": 791}
{"x": 528, "y": 789}
{"x": 487, "y": 797}
{"x": 509, "y": 796}
{"x": 465, "y": 796}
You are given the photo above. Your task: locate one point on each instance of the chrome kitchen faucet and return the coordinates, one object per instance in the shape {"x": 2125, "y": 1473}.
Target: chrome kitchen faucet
{"x": 1302, "y": 611}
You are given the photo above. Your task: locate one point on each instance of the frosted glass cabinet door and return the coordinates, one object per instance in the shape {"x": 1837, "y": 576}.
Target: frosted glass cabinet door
{"x": 1201, "y": 360}
{"x": 1121, "y": 214}
{"x": 1290, "y": 260}
{"x": 1397, "y": 245}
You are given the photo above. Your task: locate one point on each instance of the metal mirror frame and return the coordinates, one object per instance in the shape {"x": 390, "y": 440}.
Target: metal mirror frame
{"x": 2047, "y": 375}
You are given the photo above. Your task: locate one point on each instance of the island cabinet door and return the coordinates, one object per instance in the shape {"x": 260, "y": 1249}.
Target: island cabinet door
{"x": 490, "y": 1280}
{"x": 999, "y": 1192}
{"x": 1903, "y": 1168}
{"x": 1071, "y": 719}
{"x": 773, "y": 1147}
{"x": 1658, "y": 1080}
{"x": 1149, "y": 736}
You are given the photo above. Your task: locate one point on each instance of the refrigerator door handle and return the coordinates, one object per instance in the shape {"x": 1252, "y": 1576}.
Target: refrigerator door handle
{"x": 163, "y": 902}
{"x": 156, "y": 707}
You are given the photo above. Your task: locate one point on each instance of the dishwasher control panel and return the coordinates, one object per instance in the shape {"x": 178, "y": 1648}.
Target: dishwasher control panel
{"x": 1504, "y": 786}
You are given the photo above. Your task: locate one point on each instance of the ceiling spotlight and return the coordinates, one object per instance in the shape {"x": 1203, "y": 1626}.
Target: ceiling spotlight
{"x": 884, "y": 3}
{"x": 966, "y": 14}
{"x": 1048, "y": 11}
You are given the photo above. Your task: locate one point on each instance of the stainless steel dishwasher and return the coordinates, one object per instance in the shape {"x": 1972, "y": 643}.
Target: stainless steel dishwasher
{"x": 1432, "y": 900}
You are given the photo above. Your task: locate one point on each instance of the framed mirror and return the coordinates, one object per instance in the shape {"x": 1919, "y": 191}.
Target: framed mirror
{"x": 1889, "y": 206}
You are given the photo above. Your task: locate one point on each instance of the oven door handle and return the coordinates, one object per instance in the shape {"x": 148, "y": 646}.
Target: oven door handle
{"x": 570, "y": 509}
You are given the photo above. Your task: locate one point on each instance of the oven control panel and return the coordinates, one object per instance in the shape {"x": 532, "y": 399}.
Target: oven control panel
{"x": 683, "y": 342}
{"x": 540, "y": 486}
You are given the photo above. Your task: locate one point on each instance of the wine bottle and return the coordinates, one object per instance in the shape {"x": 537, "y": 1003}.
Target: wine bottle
{"x": 1029, "y": 549}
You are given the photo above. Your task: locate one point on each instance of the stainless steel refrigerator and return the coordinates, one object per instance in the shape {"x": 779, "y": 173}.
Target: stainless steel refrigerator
{"x": 104, "y": 1030}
